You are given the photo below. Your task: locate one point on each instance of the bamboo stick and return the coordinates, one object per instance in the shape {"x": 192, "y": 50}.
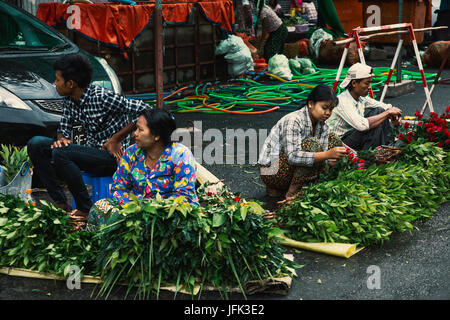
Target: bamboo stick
{"x": 386, "y": 34}
{"x": 253, "y": 285}
{"x": 203, "y": 175}
{"x": 19, "y": 272}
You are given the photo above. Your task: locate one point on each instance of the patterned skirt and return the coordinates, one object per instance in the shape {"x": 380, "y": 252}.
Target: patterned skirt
{"x": 275, "y": 43}
{"x": 100, "y": 212}
{"x": 301, "y": 175}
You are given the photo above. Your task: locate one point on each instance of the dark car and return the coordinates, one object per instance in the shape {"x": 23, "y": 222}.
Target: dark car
{"x": 29, "y": 103}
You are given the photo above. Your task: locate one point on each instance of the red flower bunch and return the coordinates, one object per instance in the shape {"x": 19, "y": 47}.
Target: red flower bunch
{"x": 354, "y": 159}
{"x": 419, "y": 115}
{"x": 350, "y": 162}
{"x": 434, "y": 129}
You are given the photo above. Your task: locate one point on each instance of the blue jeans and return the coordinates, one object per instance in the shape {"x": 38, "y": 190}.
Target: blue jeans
{"x": 67, "y": 163}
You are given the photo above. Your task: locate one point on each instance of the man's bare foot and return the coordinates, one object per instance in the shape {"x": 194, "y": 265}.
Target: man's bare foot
{"x": 288, "y": 199}
{"x": 78, "y": 219}
{"x": 75, "y": 213}
{"x": 294, "y": 188}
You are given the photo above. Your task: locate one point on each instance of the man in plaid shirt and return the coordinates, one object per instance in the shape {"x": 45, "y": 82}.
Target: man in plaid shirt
{"x": 107, "y": 119}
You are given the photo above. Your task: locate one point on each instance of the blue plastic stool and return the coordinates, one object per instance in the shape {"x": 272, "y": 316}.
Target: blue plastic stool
{"x": 100, "y": 186}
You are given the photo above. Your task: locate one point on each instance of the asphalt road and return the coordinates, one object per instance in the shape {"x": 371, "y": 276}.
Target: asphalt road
{"x": 410, "y": 266}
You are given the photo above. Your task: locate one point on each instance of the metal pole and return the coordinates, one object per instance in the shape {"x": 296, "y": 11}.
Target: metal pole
{"x": 438, "y": 75}
{"x": 399, "y": 61}
{"x": 159, "y": 67}
{"x": 361, "y": 57}
{"x": 341, "y": 64}
{"x": 391, "y": 70}
{"x": 419, "y": 63}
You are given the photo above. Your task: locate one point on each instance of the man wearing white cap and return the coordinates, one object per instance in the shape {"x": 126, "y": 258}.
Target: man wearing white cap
{"x": 361, "y": 122}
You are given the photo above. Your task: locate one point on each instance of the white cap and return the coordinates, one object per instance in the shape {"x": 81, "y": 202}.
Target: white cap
{"x": 357, "y": 71}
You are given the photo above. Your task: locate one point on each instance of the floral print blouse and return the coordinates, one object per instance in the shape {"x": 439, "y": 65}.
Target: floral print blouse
{"x": 174, "y": 175}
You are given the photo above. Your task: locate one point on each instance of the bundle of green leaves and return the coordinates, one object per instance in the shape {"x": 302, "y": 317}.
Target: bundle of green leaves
{"x": 152, "y": 242}
{"x": 40, "y": 238}
{"x": 223, "y": 243}
{"x": 366, "y": 206}
{"x": 12, "y": 158}
{"x": 294, "y": 20}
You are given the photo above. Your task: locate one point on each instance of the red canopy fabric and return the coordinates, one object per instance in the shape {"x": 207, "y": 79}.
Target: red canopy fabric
{"x": 119, "y": 25}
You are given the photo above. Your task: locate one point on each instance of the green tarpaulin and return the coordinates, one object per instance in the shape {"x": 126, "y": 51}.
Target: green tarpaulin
{"x": 327, "y": 14}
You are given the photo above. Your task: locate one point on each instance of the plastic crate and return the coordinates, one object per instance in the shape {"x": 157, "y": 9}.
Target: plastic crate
{"x": 100, "y": 186}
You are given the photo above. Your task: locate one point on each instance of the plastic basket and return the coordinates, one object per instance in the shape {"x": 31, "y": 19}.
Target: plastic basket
{"x": 21, "y": 182}
{"x": 387, "y": 154}
{"x": 2, "y": 176}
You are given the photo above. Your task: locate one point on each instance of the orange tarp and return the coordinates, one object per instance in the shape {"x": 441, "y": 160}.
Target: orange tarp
{"x": 119, "y": 25}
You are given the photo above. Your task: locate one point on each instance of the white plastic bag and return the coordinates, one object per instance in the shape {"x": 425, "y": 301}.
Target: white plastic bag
{"x": 279, "y": 66}
{"x": 316, "y": 40}
{"x": 229, "y": 45}
{"x": 237, "y": 54}
{"x": 295, "y": 65}
{"x": 305, "y": 62}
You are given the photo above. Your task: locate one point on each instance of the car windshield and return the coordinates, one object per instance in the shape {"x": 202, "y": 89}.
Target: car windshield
{"x": 20, "y": 32}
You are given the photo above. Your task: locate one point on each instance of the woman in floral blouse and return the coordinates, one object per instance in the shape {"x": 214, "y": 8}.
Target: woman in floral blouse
{"x": 154, "y": 164}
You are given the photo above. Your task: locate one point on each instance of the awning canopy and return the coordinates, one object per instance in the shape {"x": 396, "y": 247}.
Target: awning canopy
{"x": 118, "y": 25}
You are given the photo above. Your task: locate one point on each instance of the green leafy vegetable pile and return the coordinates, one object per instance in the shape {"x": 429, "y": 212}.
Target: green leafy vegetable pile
{"x": 225, "y": 243}
{"x": 149, "y": 244}
{"x": 366, "y": 206}
{"x": 295, "y": 20}
{"x": 39, "y": 238}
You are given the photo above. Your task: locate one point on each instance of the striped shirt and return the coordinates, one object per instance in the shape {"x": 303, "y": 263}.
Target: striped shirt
{"x": 349, "y": 113}
{"x": 101, "y": 113}
{"x": 287, "y": 136}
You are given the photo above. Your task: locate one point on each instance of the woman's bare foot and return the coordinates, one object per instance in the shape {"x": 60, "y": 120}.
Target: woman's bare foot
{"x": 293, "y": 190}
